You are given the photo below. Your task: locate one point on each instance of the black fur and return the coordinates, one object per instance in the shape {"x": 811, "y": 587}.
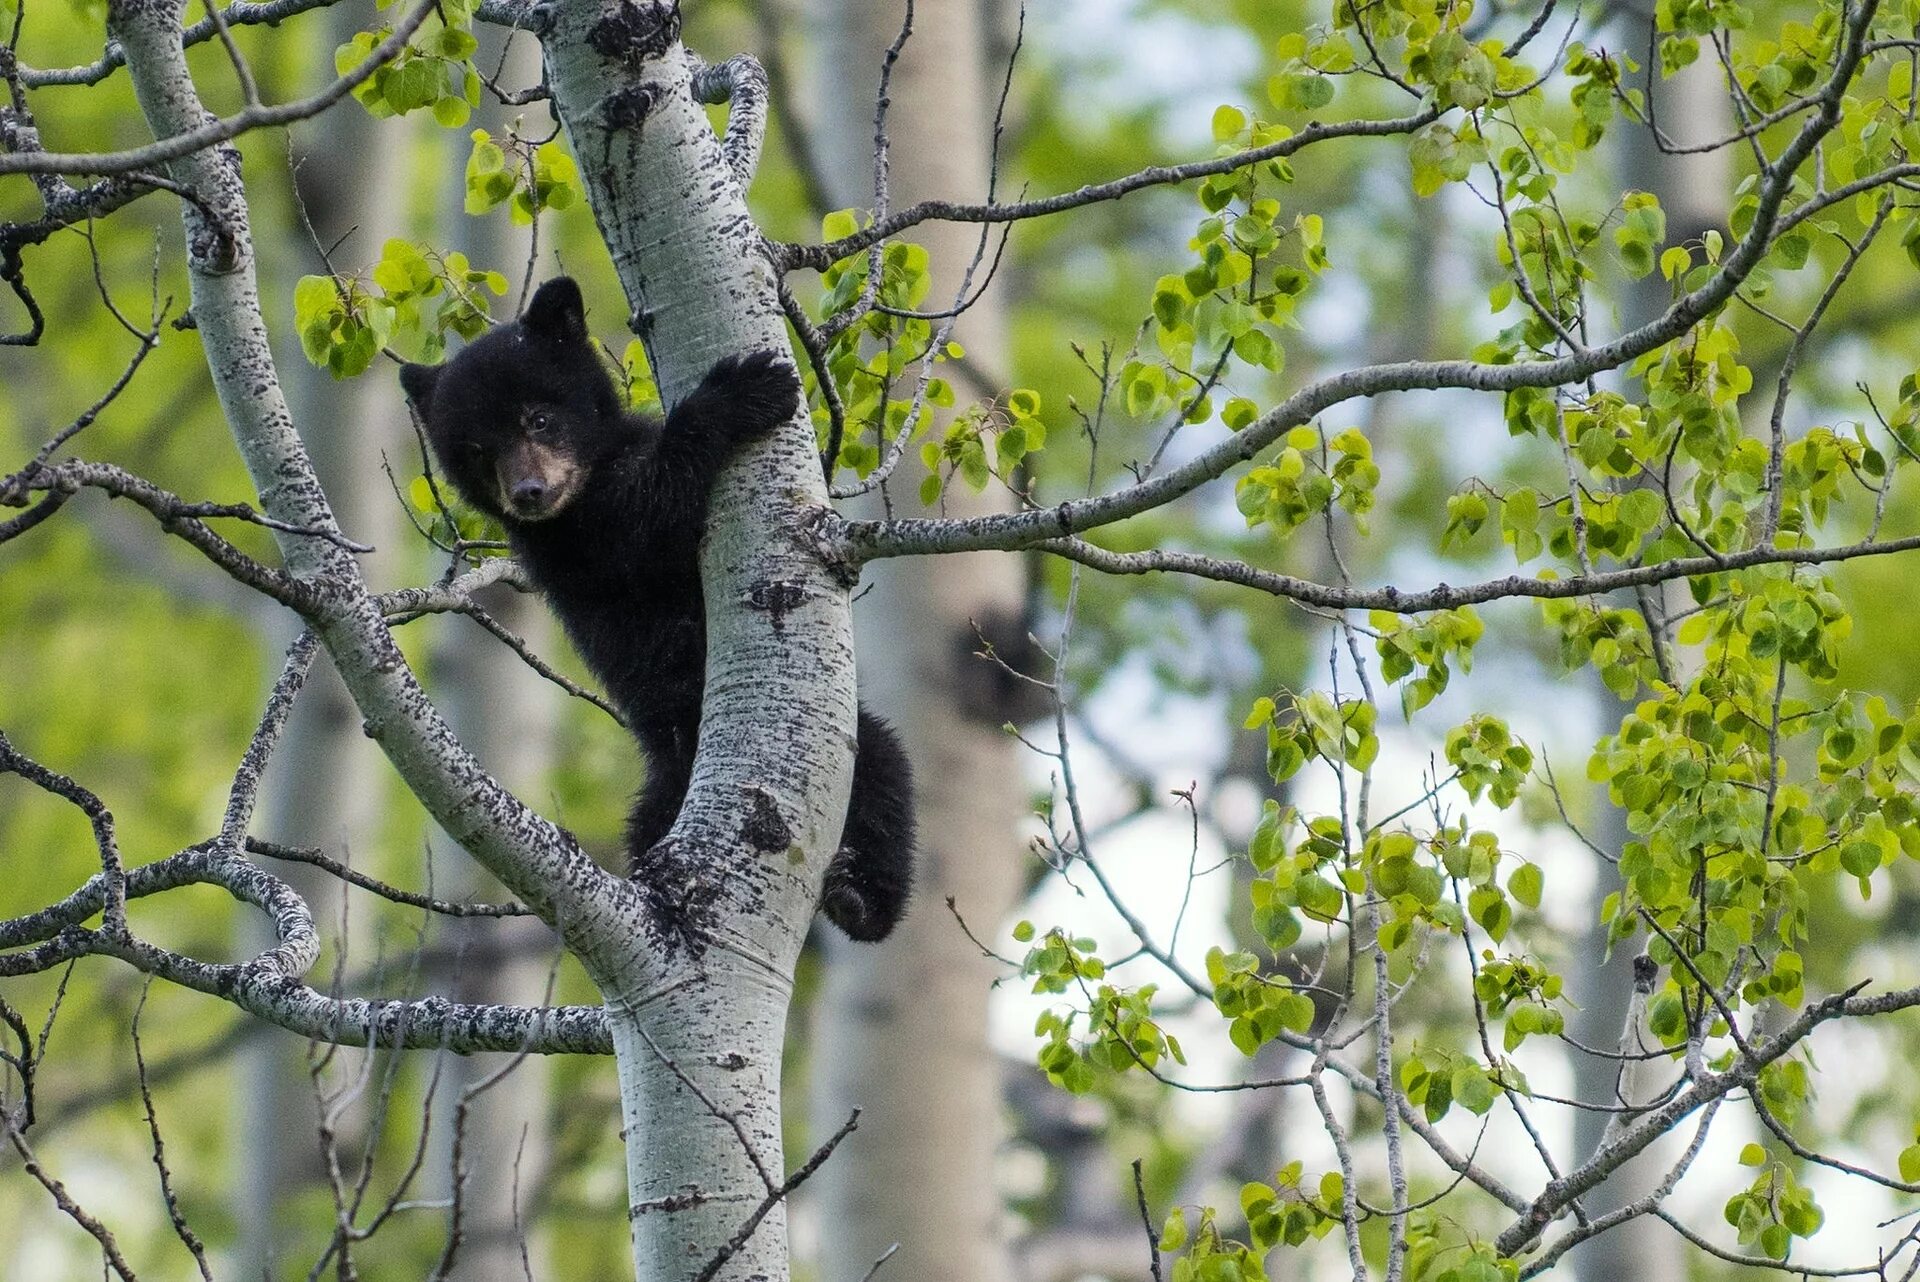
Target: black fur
{"x": 605, "y": 509}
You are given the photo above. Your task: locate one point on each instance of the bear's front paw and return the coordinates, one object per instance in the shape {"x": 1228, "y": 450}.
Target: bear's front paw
{"x": 759, "y": 390}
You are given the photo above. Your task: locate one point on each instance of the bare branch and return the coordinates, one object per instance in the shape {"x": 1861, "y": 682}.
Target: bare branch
{"x": 30, "y": 1161}
{"x": 187, "y": 520}
{"x": 269, "y": 985}
{"x": 373, "y": 885}
{"x": 253, "y": 764}
{"x": 175, "y": 1216}
{"x": 775, "y": 1196}
{"x": 241, "y": 13}
{"x": 217, "y": 131}
{"x": 740, "y": 82}
{"x": 821, "y": 257}
{"x": 1444, "y": 597}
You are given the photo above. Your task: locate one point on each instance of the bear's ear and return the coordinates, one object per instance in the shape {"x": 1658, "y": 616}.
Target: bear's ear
{"x": 556, "y": 311}
{"x": 418, "y": 381}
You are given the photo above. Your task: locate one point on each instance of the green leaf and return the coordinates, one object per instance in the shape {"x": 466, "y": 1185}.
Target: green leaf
{"x": 1526, "y": 884}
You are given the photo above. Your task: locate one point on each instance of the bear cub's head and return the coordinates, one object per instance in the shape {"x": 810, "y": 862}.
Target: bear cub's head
{"x": 522, "y": 416}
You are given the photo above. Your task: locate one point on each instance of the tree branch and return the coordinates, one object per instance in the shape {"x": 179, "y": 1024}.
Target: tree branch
{"x": 213, "y": 132}
{"x": 1444, "y": 597}
{"x": 866, "y": 540}
{"x": 740, "y": 82}
{"x": 821, "y": 257}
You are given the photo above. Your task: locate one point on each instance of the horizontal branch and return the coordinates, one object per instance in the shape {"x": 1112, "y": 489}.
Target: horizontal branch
{"x": 821, "y": 257}
{"x": 215, "y": 132}
{"x": 188, "y": 521}
{"x": 269, "y": 986}
{"x": 112, "y": 877}
{"x": 1445, "y": 597}
{"x": 523, "y": 14}
{"x": 867, "y": 540}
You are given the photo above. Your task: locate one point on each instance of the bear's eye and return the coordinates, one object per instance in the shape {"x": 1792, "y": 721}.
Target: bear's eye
{"x": 539, "y": 421}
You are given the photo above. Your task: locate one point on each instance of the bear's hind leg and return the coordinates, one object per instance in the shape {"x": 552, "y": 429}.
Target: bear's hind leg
{"x": 872, "y": 873}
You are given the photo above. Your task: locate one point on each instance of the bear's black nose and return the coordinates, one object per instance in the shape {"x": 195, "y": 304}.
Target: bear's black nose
{"x": 528, "y": 493}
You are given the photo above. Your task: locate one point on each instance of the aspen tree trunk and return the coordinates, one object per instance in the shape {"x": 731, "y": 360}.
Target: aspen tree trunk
{"x": 698, "y": 1030}
{"x": 696, "y": 966}
{"x": 508, "y": 716}
{"x": 1693, "y": 190}
{"x": 894, "y": 1019}
{"x": 328, "y": 782}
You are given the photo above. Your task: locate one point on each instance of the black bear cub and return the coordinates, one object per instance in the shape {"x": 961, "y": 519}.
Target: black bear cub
{"x": 605, "y": 509}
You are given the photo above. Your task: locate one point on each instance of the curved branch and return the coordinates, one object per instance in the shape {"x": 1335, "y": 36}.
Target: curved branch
{"x": 821, "y": 257}
{"x": 1444, "y": 597}
{"x": 217, "y": 131}
{"x": 112, "y": 877}
{"x": 867, "y": 540}
{"x": 269, "y": 985}
{"x": 740, "y": 82}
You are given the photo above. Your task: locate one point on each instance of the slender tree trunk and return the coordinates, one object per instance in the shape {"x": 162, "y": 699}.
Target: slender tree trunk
{"x": 507, "y": 715}
{"x": 328, "y": 780}
{"x": 1693, "y": 190}
{"x": 696, "y": 963}
{"x": 698, "y": 1017}
{"x": 921, "y": 1176}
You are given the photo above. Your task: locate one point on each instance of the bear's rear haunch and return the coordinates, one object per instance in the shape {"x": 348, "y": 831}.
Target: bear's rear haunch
{"x": 605, "y": 509}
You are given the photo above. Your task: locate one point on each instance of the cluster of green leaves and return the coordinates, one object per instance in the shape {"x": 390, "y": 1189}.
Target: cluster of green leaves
{"x": 877, "y": 356}
{"x": 410, "y": 300}
{"x": 1210, "y": 1255}
{"x": 1258, "y": 1006}
{"x": 1252, "y": 270}
{"x": 1011, "y": 428}
{"x": 1118, "y": 1029}
{"x": 434, "y": 70}
{"x": 1341, "y": 732}
{"x": 1429, "y": 645}
{"x": 1309, "y": 474}
{"x": 1774, "y": 1210}
{"x": 1437, "y": 1079}
{"x": 528, "y": 178}
{"x": 1719, "y": 818}
{"x": 1520, "y": 990}
{"x": 1281, "y": 1213}
{"x": 1436, "y": 1253}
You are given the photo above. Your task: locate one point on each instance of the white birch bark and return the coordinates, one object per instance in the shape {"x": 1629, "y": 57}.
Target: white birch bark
{"x": 779, "y": 702}
{"x": 696, "y": 1024}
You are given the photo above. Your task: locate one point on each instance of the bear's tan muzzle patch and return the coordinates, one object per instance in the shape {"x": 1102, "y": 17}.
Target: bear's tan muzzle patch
{"x": 536, "y": 481}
